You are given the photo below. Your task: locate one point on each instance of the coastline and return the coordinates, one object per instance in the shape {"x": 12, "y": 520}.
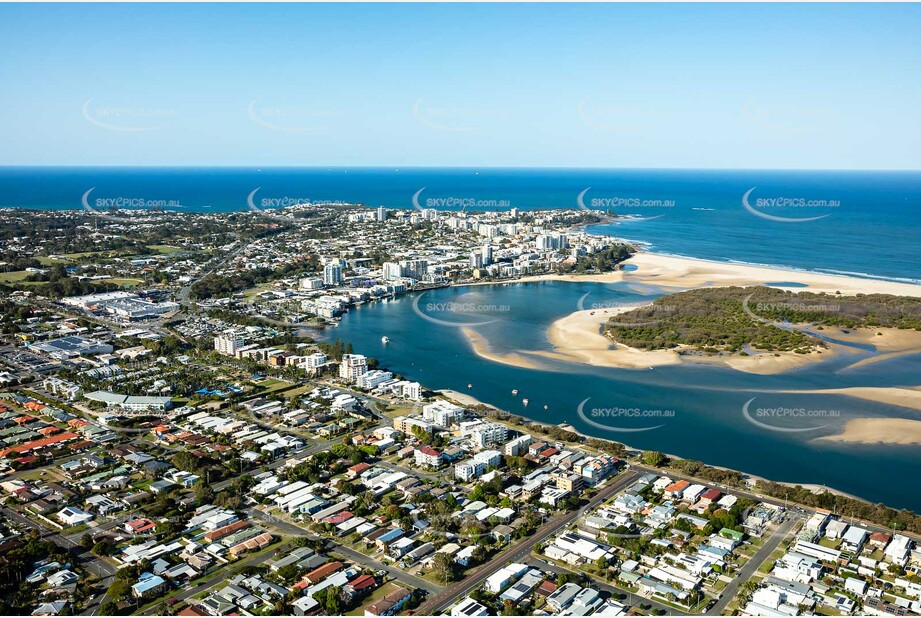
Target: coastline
{"x": 578, "y": 337}
{"x": 682, "y": 273}
{"x": 751, "y": 479}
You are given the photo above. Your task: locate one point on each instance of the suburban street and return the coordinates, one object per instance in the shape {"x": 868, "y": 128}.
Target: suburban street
{"x": 291, "y": 529}
{"x": 522, "y": 548}
{"x": 746, "y": 572}
{"x": 97, "y": 566}
{"x": 631, "y": 598}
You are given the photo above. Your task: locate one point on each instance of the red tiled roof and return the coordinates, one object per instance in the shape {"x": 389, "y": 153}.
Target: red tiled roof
{"x": 880, "y": 537}
{"x": 220, "y": 533}
{"x": 141, "y": 525}
{"x": 547, "y": 588}
{"x": 321, "y": 573}
{"x": 677, "y": 486}
{"x": 338, "y": 518}
{"x": 362, "y": 583}
{"x": 26, "y": 447}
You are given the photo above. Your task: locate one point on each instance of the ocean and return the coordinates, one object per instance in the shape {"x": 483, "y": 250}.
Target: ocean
{"x": 867, "y": 229}
{"x": 713, "y": 414}
{"x": 857, "y": 223}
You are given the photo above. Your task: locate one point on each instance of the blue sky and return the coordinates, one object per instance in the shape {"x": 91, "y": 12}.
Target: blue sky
{"x": 593, "y": 85}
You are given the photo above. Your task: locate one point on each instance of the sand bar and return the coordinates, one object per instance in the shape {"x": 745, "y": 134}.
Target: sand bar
{"x": 902, "y": 431}
{"x": 889, "y": 395}
{"x": 683, "y": 273}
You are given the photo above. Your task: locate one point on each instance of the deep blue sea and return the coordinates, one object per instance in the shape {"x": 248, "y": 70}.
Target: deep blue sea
{"x": 871, "y": 231}
{"x": 869, "y": 226}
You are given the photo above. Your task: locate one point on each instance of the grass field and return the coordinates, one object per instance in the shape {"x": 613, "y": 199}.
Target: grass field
{"x": 166, "y": 249}
{"x": 15, "y": 275}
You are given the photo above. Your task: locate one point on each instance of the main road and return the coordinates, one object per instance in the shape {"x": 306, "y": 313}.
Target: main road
{"x": 292, "y": 529}
{"x": 95, "y": 565}
{"x": 522, "y": 548}
{"x": 749, "y": 568}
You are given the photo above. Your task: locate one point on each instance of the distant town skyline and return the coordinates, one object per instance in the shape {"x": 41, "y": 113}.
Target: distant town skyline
{"x": 501, "y": 85}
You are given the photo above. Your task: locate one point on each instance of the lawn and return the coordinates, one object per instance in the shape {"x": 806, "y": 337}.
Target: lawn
{"x": 379, "y": 593}
{"x": 295, "y": 392}
{"x": 125, "y": 282}
{"x": 16, "y": 275}
{"x": 44, "y": 260}
{"x": 166, "y": 249}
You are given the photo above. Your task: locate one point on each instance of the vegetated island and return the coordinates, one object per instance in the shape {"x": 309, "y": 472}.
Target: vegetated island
{"x": 745, "y": 321}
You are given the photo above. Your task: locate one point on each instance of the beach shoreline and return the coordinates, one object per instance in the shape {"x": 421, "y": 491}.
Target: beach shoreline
{"x": 683, "y": 273}
{"x": 751, "y": 479}
{"x": 578, "y": 337}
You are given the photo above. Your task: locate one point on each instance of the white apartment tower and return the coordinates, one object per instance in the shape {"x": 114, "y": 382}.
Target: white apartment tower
{"x": 352, "y": 366}
{"x": 332, "y": 274}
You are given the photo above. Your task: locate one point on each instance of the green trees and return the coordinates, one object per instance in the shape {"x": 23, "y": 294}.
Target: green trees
{"x": 330, "y": 599}
{"x": 654, "y": 458}
{"x": 734, "y": 318}
{"x": 444, "y": 568}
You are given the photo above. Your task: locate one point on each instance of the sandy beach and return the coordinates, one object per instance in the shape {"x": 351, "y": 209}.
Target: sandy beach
{"x": 462, "y": 398}
{"x": 893, "y": 396}
{"x": 681, "y": 273}
{"x": 900, "y": 431}
{"x": 578, "y": 337}
{"x": 481, "y": 348}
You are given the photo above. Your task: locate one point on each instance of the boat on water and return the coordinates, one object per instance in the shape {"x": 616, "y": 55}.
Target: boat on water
{"x": 525, "y": 401}
{"x": 514, "y": 391}
{"x": 385, "y": 339}
{"x": 470, "y": 386}
{"x": 546, "y": 407}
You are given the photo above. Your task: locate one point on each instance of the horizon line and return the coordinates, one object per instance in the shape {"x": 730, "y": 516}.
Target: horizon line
{"x": 397, "y": 168}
